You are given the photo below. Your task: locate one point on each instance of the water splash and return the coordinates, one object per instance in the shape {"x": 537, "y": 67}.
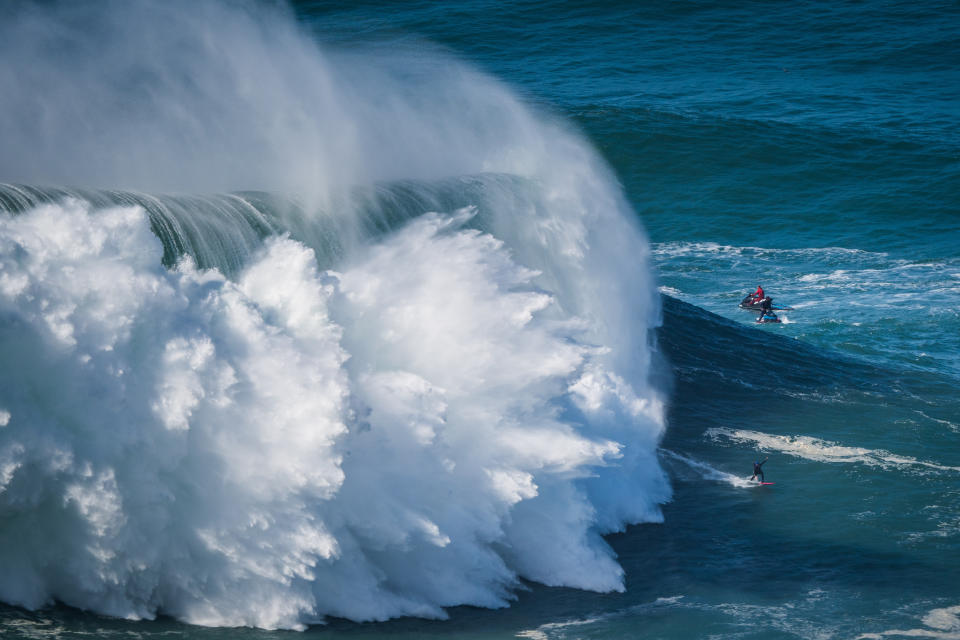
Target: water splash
{"x": 349, "y": 407}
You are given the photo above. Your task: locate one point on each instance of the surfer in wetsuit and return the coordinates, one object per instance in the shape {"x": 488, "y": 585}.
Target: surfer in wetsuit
{"x": 757, "y": 470}
{"x": 765, "y": 310}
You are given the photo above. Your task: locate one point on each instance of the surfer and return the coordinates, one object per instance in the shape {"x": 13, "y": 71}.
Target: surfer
{"x": 757, "y": 470}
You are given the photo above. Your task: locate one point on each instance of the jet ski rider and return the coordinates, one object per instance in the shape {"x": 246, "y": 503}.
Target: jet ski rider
{"x": 765, "y": 310}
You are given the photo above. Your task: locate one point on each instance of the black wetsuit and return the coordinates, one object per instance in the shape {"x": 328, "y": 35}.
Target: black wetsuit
{"x": 765, "y": 309}
{"x": 757, "y": 471}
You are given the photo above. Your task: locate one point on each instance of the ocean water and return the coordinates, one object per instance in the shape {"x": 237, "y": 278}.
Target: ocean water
{"x": 420, "y": 320}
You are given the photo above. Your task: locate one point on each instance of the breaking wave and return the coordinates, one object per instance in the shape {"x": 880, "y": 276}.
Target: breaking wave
{"x": 399, "y": 363}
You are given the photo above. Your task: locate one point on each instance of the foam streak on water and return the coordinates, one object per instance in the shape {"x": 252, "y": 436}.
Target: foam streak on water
{"x": 819, "y": 450}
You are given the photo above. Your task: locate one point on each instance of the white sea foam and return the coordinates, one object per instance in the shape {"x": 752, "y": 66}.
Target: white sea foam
{"x": 377, "y": 442}
{"x": 819, "y": 450}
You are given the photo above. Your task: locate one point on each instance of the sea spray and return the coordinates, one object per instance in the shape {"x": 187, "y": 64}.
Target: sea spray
{"x": 227, "y": 453}
{"x": 356, "y": 406}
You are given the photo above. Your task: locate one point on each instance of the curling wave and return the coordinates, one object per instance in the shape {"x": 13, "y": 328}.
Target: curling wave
{"x": 407, "y": 371}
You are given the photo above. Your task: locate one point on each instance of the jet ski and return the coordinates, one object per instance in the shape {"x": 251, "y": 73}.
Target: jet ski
{"x": 753, "y": 304}
{"x": 750, "y": 302}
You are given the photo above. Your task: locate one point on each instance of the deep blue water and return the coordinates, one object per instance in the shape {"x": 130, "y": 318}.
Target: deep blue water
{"x": 809, "y": 147}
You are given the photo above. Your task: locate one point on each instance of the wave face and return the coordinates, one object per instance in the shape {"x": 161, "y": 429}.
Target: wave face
{"x": 400, "y": 363}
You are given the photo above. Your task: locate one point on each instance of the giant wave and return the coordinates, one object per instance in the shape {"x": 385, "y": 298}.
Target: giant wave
{"x": 401, "y": 362}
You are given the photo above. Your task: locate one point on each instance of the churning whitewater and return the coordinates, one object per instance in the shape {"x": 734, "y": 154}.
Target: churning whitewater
{"x": 375, "y": 358}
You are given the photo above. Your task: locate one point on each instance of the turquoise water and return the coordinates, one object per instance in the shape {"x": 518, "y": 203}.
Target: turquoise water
{"x": 808, "y": 147}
